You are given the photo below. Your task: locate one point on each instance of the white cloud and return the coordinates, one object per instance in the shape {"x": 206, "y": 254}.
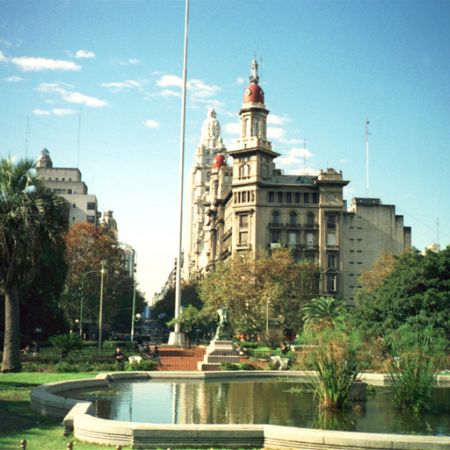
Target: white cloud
{"x": 63, "y": 112}
{"x": 273, "y": 119}
{"x": 133, "y": 61}
{"x": 151, "y": 123}
{"x": 40, "y": 112}
{"x": 233, "y": 128}
{"x": 81, "y": 99}
{"x": 170, "y": 93}
{"x": 84, "y": 54}
{"x": 240, "y": 80}
{"x": 3, "y": 58}
{"x": 55, "y": 112}
{"x": 14, "y": 79}
{"x": 275, "y": 133}
{"x": 169, "y": 80}
{"x": 295, "y": 160}
{"x": 5, "y": 43}
{"x": 70, "y": 96}
{"x": 121, "y": 85}
{"x": 197, "y": 89}
{"x": 35, "y": 64}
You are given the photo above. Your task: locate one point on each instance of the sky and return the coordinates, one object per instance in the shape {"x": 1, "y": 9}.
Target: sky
{"x": 98, "y": 83}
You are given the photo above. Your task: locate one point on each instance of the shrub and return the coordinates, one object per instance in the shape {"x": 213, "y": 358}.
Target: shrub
{"x": 228, "y": 366}
{"x": 273, "y": 338}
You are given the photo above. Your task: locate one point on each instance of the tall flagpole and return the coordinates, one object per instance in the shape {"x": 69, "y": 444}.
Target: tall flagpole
{"x": 367, "y": 157}
{"x": 176, "y": 337}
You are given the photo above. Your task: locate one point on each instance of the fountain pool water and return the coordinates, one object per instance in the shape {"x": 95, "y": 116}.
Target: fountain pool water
{"x": 258, "y": 402}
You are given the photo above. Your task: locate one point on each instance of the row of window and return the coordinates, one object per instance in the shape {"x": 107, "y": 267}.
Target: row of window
{"x": 276, "y": 217}
{"x": 56, "y": 179}
{"x": 244, "y": 196}
{"x": 293, "y": 197}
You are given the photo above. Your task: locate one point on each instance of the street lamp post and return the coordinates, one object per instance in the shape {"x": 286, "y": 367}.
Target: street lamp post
{"x": 133, "y": 309}
{"x": 100, "y": 312}
{"x": 83, "y": 277}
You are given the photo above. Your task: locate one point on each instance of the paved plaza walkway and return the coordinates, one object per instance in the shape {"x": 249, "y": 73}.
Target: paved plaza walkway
{"x": 174, "y": 358}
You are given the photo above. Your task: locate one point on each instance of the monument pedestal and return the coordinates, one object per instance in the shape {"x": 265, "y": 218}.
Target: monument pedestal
{"x": 177, "y": 339}
{"x": 218, "y": 352}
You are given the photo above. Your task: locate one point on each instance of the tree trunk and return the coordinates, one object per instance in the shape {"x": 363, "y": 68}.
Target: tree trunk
{"x": 11, "y": 345}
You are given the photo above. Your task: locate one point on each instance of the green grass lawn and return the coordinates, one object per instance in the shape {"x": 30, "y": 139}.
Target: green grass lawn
{"x": 18, "y": 421}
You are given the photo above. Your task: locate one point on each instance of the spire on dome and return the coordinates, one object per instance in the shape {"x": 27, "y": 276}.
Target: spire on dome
{"x": 211, "y": 136}
{"x": 254, "y": 77}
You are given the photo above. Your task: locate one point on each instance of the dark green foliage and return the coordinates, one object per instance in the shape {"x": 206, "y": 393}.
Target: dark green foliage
{"x": 164, "y": 309}
{"x": 32, "y": 221}
{"x": 416, "y": 292}
{"x": 65, "y": 343}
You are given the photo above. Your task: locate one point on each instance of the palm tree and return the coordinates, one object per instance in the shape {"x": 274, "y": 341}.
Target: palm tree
{"x": 31, "y": 217}
{"x": 323, "y": 312}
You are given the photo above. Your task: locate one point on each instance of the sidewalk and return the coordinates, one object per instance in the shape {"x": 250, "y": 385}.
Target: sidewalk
{"x": 175, "y": 358}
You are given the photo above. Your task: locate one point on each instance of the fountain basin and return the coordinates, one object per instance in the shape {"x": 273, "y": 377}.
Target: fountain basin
{"x": 50, "y": 399}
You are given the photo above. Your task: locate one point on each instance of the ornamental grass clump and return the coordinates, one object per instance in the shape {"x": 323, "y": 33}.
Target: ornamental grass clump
{"x": 336, "y": 366}
{"x": 413, "y": 367}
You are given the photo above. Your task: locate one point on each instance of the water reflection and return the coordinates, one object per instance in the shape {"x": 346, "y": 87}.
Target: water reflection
{"x": 270, "y": 402}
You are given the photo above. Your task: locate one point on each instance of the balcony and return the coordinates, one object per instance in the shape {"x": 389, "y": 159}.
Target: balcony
{"x": 311, "y": 226}
{"x": 276, "y": 225}
{"x": 331, "y": 247}
{"x": 311, "y": 248}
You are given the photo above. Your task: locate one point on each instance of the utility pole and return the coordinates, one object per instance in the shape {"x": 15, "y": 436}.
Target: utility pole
{"x": 367, "y": 156}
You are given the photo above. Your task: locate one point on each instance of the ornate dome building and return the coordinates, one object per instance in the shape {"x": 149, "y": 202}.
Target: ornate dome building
{"x": 252, "y": 206}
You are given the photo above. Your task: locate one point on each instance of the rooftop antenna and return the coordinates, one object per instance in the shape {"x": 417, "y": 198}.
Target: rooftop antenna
{"x": 27, "y": 135}
{"x": 367, "y": 155}
{"x": 177, "y": 337}
{"x": 437, "y": 231}
{"x": 304, "y": 155}
{"x": 78, "y": 139}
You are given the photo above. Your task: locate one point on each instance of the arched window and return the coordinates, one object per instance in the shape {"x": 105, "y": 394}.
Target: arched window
{"x": 293, "y": 218}
{"x": 276, "y": 218}
{"x": 244, "y": 171}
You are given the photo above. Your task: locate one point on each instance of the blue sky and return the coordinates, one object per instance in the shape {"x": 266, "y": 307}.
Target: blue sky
{"x": 326, "y": 66}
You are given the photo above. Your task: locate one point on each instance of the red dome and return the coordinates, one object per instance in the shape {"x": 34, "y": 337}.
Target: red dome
{"x": 219, "y": 161}
{"x": 254, "y": 94}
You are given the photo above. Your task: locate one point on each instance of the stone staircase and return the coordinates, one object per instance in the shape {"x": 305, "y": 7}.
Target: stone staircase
{"x": 217, "y": 353}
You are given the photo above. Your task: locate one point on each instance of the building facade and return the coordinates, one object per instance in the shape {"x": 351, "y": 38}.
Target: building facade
{"x": 67, "y": 183}
{"x": 251, "y": 206}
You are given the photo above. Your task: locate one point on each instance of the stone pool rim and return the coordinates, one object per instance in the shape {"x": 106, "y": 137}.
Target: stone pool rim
{"x": 49, "y": 399}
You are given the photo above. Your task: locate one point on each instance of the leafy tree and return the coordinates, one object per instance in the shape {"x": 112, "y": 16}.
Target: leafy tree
{"x": 416, "y": 291}
{"x": 253, "y": 288}
{"x": 164, "y": 309}
{"x": 190, "y": 319}
{"x": 88, "y": 248}
{"x": 31, "y": 218}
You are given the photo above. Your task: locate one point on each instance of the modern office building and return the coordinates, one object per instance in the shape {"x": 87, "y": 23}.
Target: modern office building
{"x": 67, "y": 182}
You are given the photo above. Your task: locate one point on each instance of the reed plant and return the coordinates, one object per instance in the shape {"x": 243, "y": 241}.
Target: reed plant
{"x": 413, "y": 367}
{"x": 336, "y": 364}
